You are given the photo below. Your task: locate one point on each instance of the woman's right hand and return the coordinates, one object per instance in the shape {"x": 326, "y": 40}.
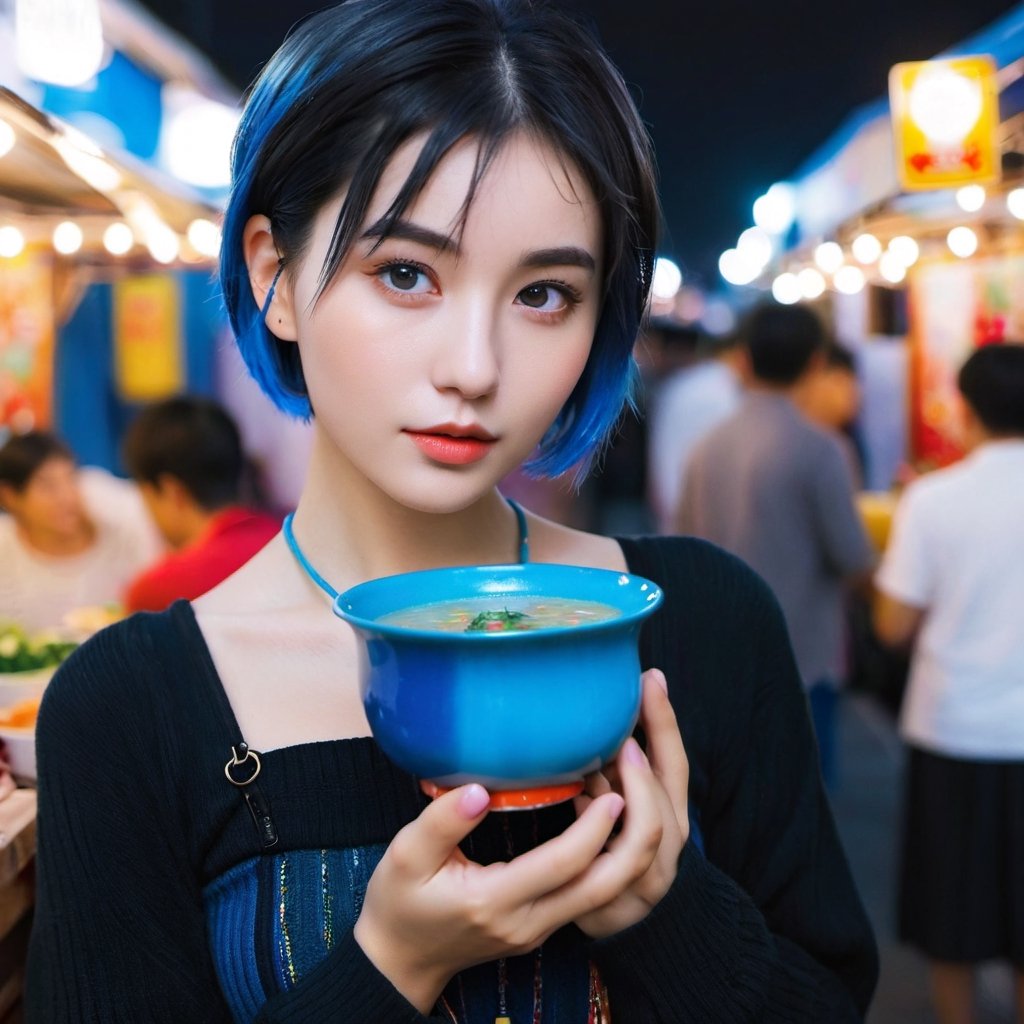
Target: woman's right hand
{"x": 430, "y": 912}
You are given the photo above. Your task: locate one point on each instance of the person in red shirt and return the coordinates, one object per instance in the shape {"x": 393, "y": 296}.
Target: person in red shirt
{"x": 186, "y": 455}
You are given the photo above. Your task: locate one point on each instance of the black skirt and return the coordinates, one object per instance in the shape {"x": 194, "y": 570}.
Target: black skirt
{"x": 962, "y": 873}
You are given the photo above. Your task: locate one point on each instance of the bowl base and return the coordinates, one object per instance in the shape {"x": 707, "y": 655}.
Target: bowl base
{"x": 517, "y": 799}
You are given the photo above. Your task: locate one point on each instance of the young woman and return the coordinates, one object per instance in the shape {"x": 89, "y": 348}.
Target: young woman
{"x": 438, "y": 245}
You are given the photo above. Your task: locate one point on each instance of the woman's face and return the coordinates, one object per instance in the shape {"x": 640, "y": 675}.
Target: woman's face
{"x": 436, "y": 362}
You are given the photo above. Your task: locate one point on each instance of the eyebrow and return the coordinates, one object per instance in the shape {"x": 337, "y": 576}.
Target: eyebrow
{"x": 559, "y": 256}
{"x": 563, "y": 256}
{"x": 411, "y": 233}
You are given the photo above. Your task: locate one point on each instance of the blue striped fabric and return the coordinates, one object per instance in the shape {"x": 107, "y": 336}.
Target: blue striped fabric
{"x": 272, "y": 919}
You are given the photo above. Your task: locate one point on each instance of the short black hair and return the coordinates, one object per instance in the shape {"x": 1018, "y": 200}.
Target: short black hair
{"x": 23, "y": 454}
{"x": 839, "y": 357}
{"x": 992, "y": 383}
{"x": 782, "y": 340}
{"x": 674, "y": 333}
{"x": 191, "y": 439}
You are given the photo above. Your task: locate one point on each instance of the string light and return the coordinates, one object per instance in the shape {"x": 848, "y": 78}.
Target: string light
{"x": 67, "y": 238}
{"x": 904, "y": 249}
{"x": 829, "y": 257}
{"x": 786, "y": 289}
{"x": 59, "y": 41}
{"x": 962, "y": 242}
{"x": 811, "y": 282}
{"x": 118, "y": 239}
{"x": 970, "y": 198}
{"x": 866, "y": 248}
{"x": 12, "y": 241}
{"x": 204, "y": 237}
{"x": 849, "y": 280}
{"x": 891, "y": 267}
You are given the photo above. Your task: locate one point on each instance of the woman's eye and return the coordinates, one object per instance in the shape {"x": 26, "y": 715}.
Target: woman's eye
{"x": 405, "y": 277}
{"x": 543, "y": 297}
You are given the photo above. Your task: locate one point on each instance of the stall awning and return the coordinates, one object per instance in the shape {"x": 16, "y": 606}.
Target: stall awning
{"x": 34, "y": 179}
{"x": 53, "y": 172}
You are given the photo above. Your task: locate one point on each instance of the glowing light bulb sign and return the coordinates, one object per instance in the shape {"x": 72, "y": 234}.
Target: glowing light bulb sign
{"x": 945, "y": 114}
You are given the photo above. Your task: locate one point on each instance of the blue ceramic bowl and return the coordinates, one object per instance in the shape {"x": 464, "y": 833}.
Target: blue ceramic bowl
{"x": 527, "y": 714}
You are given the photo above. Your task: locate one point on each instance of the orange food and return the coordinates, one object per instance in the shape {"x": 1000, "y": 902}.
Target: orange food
{"x": 21, "y": 715}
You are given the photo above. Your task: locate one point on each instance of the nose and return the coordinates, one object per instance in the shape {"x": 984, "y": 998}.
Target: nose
{"x": 466, "y": 359}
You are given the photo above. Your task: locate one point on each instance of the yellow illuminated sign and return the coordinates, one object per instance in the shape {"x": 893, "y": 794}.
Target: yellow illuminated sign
{"x": 147, "y": 338}
{"x": 945, "y": 114}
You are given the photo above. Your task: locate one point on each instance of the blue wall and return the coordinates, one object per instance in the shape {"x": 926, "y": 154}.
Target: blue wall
{"x": 88, "y": 412}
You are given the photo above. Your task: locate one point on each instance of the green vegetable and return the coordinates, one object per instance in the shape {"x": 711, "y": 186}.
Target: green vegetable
{"x": 499, "y": 622}
{"x": 20, "y": 652}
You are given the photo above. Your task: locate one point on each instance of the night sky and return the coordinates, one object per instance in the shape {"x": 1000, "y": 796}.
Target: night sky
{"x": 736, "y": 95}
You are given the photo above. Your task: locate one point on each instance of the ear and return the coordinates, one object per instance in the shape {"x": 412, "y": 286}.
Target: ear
{"x": 8, "y": 497}
{"x": 264, "y": 263}
{"x": 170, "y": 489}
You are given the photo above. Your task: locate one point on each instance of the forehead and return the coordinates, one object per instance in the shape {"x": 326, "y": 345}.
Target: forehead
{"x": 528, "y": 185}
{"x": 53, "y": 468}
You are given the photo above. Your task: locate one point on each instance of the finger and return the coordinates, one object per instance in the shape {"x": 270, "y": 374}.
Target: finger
{"x": 553, "y": 864}
{"x": 423, "y": 846}
{"x": 643, "y": 822}
{"x": 664, "y": 743}
{"x": 629, "y": 855}
{"x": 597, "y": 784}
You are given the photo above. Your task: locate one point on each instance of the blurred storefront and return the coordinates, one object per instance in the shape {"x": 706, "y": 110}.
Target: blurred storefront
{"x": 106, "y": 291}
{"x": 914, "y": 273}
{"x": 111, "y": 190}
{"x": 105, "y": 294}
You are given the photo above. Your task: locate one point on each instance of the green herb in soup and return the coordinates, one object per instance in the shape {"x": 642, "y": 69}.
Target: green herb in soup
{"x": 479, "y": 615}
{"x": 500, "y": 622}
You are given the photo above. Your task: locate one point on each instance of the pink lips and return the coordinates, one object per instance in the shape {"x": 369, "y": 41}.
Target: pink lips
{"x": 451, "y": 444}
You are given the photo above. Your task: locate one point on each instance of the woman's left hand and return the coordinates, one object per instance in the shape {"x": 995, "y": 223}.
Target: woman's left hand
{"x": 655, "y": 821}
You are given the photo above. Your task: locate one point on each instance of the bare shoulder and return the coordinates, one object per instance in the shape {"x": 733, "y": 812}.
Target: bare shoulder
{"x": 553, "y": 542}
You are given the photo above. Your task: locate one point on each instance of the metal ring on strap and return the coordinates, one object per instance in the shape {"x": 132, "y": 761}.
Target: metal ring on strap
{"x": 235, "y": 761}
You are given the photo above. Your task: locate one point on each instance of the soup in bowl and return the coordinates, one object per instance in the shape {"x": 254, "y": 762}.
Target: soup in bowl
{"x": 523, "y": 678}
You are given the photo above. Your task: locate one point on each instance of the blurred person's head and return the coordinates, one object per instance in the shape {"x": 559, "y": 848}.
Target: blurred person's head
{"x": 39, "y": 485}
{"x": 186, "y": 455}
{"x": 833, "y": 400}
{"x": 784, "y": 343}
{"x": 667, "y": 344}
{"x": 991, "y": 382}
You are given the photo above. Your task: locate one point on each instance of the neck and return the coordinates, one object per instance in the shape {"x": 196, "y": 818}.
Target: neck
{"x": 55, "y": 543}
{"x": 351, "y": 531}
{"x": 982, "y": 438}
{"x": 798, "y": 392}
{"x": 194, "y": 523}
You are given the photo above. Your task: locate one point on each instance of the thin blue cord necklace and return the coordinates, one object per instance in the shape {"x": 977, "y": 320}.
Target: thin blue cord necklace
{"x": 300, "y": 555}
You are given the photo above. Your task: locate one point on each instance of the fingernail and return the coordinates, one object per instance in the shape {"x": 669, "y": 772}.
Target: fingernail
{"x": 615, "y": 805}
{"x": 659, "y": 678}
{"x": 474, "y": 801}
{"x": 634, "y": 755}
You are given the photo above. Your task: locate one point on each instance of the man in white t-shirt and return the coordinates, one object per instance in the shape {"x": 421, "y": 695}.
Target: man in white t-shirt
{"x": 953, "y": 576}
{"x": 59, "y": 555}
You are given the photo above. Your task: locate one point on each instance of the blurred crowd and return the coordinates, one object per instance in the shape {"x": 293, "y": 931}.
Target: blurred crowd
{"x": 81, "y": 546}
{"x": 750, "y": 442}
